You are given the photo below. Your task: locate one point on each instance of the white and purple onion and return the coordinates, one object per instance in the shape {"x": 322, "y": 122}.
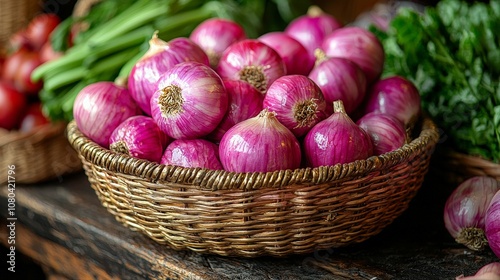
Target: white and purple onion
{"x": 190, "y": 101}
{"x": 139, "y": 137}
{"x": 340, "y": 79}
{"x": 214, "y": 35}
{"x": 312, "y": 28}
{"x": 160, "y": 57}
{"x": 297, "y": 102}
{"x": 396, "y": 96}
{"x": 358, "y": 45}
{"x": 100, "y": 107}
{"x": 259, "y": 144}
{"x": 386, "y": 132}
{"x": 492, "y": 225}
{"x": 245, "y": 102}
{"x": 252, "y": 61}
{"x": 192, "y": 153}
{"x": 465, "y": 211}
{"x": 295, "y": 56}
{"x": 337, "y": 139}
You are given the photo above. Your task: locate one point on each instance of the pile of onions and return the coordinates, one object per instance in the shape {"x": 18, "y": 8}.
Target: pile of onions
{"x": 219, "y": 100}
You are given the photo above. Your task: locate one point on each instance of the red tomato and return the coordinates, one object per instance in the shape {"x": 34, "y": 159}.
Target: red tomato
{"x": 12, "y": 106}
{"x": 39, "y": 29}
{"x": 33, "y": 118}
{"x": 47, "y": 53}
{"x": 17, "y": 70}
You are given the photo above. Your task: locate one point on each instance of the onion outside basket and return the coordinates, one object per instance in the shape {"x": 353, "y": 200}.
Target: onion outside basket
{"x": 277, "y": 213}
{"x": 39, "y": 155}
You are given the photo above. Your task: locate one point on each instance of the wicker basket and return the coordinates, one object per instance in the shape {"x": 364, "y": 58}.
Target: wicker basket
{"x": 15, "y": 14}
{"x": 255, "y": 214}
{"x": 38, "y": 156}
{"x": 457, "y": 167}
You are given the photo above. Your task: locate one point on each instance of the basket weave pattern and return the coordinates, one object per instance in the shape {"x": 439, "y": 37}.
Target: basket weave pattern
{"x": 15, "y": 14}
{"x": 254, "y": 214}
{"x": 40, "y": 155}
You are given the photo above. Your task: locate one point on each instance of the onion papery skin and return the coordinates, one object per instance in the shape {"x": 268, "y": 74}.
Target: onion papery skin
{"x": 492, "y": 224}
{"x": 340, "y": 79}
{"x": 386, "y": 132}
{"x": 100, "y": 107}
{"x": 245, "y": 102}
{"x": 337, "y": 139}
{"x": 192, "y": 153}
{"x": 139, "y": 137}
{"x": 358, "y": 45}
{"x": 190, "y": 101}
{"x": 312, "y": 28}
{"x": 295, "y": 56}
{"x": 259, "y": 144}
{"x": 297, "y": 102}
{"x": 395, "y": 96}
{"x": 252, "y": 61}
{"x": 465, "y": 211}
{"x": 160, "y": 57}
{"x": 214, "y": 35}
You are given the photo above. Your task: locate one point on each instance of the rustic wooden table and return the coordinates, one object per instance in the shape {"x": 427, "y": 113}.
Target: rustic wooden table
{"x": 62, "y": 226}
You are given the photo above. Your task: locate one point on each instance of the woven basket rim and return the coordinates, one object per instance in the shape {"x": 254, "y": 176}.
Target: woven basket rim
{"x": 48, "y": 130}
{"x": 222, "y": 179}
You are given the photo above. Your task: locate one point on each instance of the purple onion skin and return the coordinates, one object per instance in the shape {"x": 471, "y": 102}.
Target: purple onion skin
{"x": 292, "y": 96}
{"x": 197, "y": 102}
{"x": 141, "y": 137}
{"x": 214, "y": 35}
{"x": 466, "y": 208}
{"x": 358, "y": 45}
{"x": 251, "y": 54}
{"x": 492, "y": 224}
{"x": 340, "y": 79}
{"x": 100, "y": 107}
{"x": 259, "y": 144}
{"x": 192, "y": 153}
{"x": 395, "y": 96}
{"x": 295, "y": 56}
{"x": 386, "y": 132}
{"x": 245, "y": 102}
{"x": 336, "y": 139}
{"x": 311, "y": 29}
{"x": 160, "y": 57}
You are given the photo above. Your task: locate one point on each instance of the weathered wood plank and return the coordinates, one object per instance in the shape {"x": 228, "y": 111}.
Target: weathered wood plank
{"x": 68, "y": 215}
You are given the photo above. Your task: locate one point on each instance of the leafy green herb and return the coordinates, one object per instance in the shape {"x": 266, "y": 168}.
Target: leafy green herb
{"x": 452, "y": 54}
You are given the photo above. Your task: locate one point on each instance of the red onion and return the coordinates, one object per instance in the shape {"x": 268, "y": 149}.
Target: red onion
{"x": 295, "y": 56}
{"x": 489, "y": 271}
{"x": 395, "y": 96}
{"x": 465, "y": 211}
{"x": 340, "y": 79}
{"x": 192, "y": 153}
{"x": 139, "y": 137}
{"x": 160, "y": 57}
{"x": 492, "y": 221}
{"x": 214, "y": 35}
{"x": 312, "y": 28}
{"x": 245, "y": 102}
{"x": 336, "y": 139}
{"x": 358, "y": 45}
{"x": 297, "y": 102}
{"x": 252, "y": 61}
{"x": 190, "y": 101}
{"x": 100, "y": 107}
{"x": 259, "y": 144}
{"x": 386, "y": 132}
